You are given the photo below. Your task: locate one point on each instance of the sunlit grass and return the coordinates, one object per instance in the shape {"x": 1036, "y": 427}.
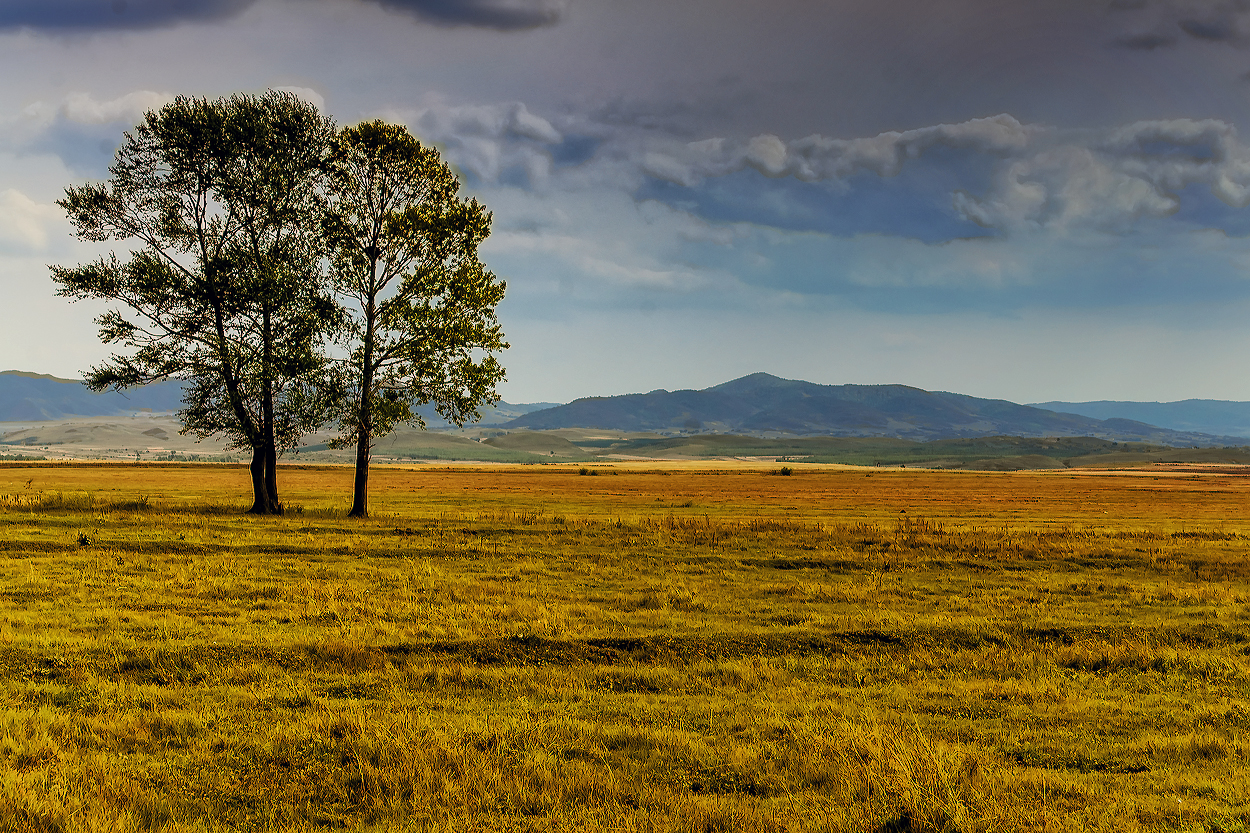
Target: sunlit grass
{"x": 648, "y": 649}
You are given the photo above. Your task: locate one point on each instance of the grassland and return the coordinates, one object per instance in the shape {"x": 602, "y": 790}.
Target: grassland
{"x": 679, "y": 647}
{"x": 156, "y": 437}
{"x": 978, "y": 454}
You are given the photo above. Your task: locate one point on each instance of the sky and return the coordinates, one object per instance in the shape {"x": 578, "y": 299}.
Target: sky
{"x": 1031, "y": 201}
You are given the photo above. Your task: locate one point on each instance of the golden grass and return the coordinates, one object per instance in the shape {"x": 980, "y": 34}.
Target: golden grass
{"x": 652, "y": 648}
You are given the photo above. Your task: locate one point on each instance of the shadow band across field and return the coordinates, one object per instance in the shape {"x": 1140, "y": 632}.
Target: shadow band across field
{"x": 195, "y": 663}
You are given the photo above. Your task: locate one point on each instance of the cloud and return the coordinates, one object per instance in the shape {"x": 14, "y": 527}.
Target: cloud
{"x": 946, "y": 180}
{"x": 25, "y": 224}
{"x": 600, "y": 248}
{"x": 1081, "y": 219}
{"x": 566, "y": 254}
{"x": 83, "y": 131}
{"x": 82, "y": 108}
{"x": 1041, "y": 176}
{"x": 486, "y": 140}
{"x": 92, "y": 15}
{"x": 82, "y": 15}
{"x": 1153, "y": 25}
{"x": 818, "y": 158}
{"x": 505, "y": 15}
{"x": 1109, "y": 179}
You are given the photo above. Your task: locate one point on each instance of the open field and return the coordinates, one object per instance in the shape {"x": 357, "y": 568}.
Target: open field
{"x": 154, "y": 437}
{"x": 625, "y": 647}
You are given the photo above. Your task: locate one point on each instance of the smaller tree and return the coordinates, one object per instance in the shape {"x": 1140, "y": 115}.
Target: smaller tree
{"x": 421, "y": 304}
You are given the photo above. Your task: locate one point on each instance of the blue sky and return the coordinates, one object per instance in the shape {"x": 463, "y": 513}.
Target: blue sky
{"x": 1033, "y": 201}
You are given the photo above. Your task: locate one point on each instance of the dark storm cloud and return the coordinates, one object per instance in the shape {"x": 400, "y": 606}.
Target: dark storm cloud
{"x": 71, "y": 15}
{"x": 504, "y": 15}
{"x": 88, "y": 15}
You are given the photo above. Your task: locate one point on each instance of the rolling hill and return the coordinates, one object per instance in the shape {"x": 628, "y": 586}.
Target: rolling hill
{"x": 1207, "y": 416}
{"x": 37, "y": 397}
{"x": 758, "y": 405}
{"x": 765, "y": 405}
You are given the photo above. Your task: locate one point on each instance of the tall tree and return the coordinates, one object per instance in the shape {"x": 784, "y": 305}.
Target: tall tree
{"x": 225, "y": 289}
{"x": 422, "y": 323}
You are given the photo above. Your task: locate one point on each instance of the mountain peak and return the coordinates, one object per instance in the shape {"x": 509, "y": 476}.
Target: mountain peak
{"x": 756, "y": 381}
{"x": 764, "y": 404}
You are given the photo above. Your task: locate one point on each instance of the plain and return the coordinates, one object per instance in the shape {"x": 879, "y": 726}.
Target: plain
{"x": 625, "y": 647}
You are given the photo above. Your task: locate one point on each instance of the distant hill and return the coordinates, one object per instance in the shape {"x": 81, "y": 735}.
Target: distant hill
{"x": 37, "y": 397}
{"x": 491, "y": 415}
{"x": 1207, "y": 416}
{"x": 762, "y": 404}
{"x": 28, "y": 397}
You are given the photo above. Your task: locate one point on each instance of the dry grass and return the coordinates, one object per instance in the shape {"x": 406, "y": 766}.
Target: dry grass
{"x": 648, "y": 649}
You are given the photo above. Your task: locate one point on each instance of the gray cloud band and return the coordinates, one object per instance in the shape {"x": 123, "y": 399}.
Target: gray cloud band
{"x": 1044, "y": 177}
{"x": 92, "y": 15}
{"x": 77, "y": 15}
{"x": 1033, "y": 176}
{"x": 490, "y": 14}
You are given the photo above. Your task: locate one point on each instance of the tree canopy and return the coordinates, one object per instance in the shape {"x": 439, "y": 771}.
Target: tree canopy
{"x": 421, "y": 319}
{"x": 291, "y": 274}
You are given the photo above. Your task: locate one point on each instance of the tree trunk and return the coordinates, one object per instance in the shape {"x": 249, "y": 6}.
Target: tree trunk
{"x": 269, "y": 440}
{"x": 364, "y": 439}
{"x": 261, "y": 504}
{"x": 364, "y": 413}
{"x": 360, "y": 497}
{"x": 271, "y": 475}
{"x": 260, "y": 500}
{"x": 264, "y": 484}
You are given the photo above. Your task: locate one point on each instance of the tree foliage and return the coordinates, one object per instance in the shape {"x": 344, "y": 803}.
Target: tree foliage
{"x": 224, "y": 289}
{"x": 404, "y": 252}
{"x": 261, "y": 236}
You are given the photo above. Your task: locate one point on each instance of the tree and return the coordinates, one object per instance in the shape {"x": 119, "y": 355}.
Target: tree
{"x": 404, "y": 254}
{"x": 226, "y": 288}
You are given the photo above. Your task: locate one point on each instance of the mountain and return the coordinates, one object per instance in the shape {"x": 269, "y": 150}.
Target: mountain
{"x": 497, "y": 414}
{"x": 762, "y": 404}
{"x": 759, "y": 404}
{"x": 1208, "y": 416}
{"x": 26, "y": 397}
{"x": 36, "y": 397}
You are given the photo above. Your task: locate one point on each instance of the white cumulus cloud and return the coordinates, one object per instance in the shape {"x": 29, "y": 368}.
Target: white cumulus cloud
{"x": 1109, "y": 179}
{"x": 25, "y": 225}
